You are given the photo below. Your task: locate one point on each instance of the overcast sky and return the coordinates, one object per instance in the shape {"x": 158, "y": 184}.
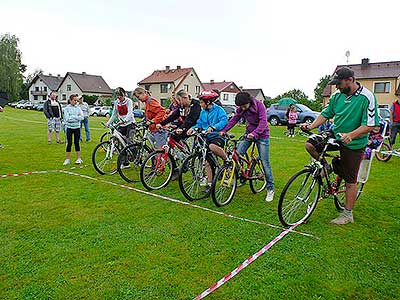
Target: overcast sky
{"x": 273, "y": 45}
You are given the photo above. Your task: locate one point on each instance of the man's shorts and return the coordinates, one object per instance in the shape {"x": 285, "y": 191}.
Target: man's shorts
{"x": 349, "y": 163}
{"x": 54, "y": 124}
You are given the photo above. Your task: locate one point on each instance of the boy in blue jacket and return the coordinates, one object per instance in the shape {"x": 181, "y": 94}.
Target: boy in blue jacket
{"x": 213, "y": 119}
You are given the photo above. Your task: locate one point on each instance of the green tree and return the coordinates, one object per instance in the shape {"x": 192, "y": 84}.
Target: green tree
{"x": 300, "y": 97}
{"x": 319, "y": 89}
{"x": 11, "y": 68}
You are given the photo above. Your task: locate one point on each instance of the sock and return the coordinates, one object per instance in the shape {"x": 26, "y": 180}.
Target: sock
{"x": 348, "y": 212}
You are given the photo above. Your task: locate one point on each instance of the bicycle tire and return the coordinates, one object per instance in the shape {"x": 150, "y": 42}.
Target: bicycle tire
{"x": 384, "y": 153}
{"x": 133, "y": 156}
{"x": 340, "y": 196}
{"x": 224, "y": 186}
{"x": 191, "y": 173}
{"x": 294, "y": 207}
{"x": 105, "y": 136}
{"x": 156, "y": 172}
{"x": 257, "y": 176}
{"x": 108, "y": 164}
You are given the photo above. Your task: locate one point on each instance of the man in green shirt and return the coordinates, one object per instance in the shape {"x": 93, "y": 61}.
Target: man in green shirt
{"x": 355, "y": 112}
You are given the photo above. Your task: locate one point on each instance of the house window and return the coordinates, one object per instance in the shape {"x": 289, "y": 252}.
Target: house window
{"x": 147, "y": 87}
{"x": 186, "y": 87}
{"x": 35, "y": 97}
{"x": 68, "y": 87}
{"x": 64, "y": 97}
{"x": 163, "y": 88}
{"x": 226, "y": 97}
{"x": 44, "y": 97}
{"x": 382, "y": 87}
{"x": 164, "y": 102}
{"x": 37, "y": 89}
{"x": 197, "y": 89}
{"x": 45, "y": 88}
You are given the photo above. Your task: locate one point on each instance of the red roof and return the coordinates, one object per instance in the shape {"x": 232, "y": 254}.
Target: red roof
{"x": 171, "y": 75}
{"x": 389, "y": 69}
{"x": 327, "y": 91}
{"x": 224, "y": 86}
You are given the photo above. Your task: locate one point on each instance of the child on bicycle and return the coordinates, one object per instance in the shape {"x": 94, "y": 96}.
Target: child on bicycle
{"x": 213, "y": 119}
{"x": 257, "y": 130}
{"x": 291, "y": 116}
{"x": 374, "y": 140}
{"x": 154, "y": 114}
{"x": 123, "y": 110}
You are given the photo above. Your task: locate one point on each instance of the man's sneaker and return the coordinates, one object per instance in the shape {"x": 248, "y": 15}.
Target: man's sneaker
{"x": 343, "y": 219}
{"x": 270, "y": 196}
{"x": 203, "y": 182}
{"x": 79, "y": 161}
{"x": 66, "y": 162}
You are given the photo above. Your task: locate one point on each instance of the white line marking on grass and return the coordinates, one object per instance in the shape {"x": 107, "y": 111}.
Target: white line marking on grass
{"x": 187, "y": 203}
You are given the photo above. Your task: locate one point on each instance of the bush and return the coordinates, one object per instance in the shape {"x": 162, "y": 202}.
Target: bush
{"x": 90, "y": 99}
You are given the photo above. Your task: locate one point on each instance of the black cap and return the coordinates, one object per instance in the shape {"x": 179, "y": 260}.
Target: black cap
{"x": 343, "y": 73}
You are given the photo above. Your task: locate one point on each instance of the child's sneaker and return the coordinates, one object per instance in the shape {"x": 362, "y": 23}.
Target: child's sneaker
{"x": 79, "y": 161}
{"x": 344, "y": 218}
{"x": 66, "y": 162}
{"x": 270, "y": 196}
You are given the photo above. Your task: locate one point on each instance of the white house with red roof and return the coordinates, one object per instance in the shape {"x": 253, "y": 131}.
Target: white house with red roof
{"x": 227, "y": 90}
{"x": 162, "y": 84}
{"x": 42, "y": 85}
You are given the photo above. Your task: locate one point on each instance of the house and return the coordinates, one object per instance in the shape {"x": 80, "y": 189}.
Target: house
{"x": 257, "y": 93}
{"x": 163, "y": 83}
{"x": 382, "y": 78}
{"x": 42, "y": 85}
{"x": 82, "y": 83}
{"x": 227, "y": 90}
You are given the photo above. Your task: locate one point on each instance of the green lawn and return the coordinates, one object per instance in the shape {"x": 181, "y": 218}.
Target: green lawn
{"x": 67, "y": 237}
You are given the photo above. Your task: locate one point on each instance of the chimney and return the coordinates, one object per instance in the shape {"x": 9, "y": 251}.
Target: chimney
{"x": 241, "y": 88}
{"x": 50, "y": 74}
{"x": 83, "y": 73}
{"x": 364, "y": 62}
{"x": 167, "y": 68}
{"x": 58, "y": 75}
{"x": 212, "y": 81}
{"x": 178, "y": 67}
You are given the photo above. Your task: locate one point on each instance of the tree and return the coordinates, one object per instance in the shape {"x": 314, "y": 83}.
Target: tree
{"x": 11, "y": 68}
{"x": 300, "y": 97}
{"x": 319, "y": 89}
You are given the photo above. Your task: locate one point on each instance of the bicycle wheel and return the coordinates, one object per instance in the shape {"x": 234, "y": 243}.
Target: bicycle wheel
{"x": 340, "y": 196}
{"x": 105, "y": 136}
{"x": 193, "y": 177}
{"x": 224, "y": 186}
{"x": 258, "y": 180}
{"x": 298, "y": 198}
{"x": 104, "y": 158}
{"x": 156, "y": 170}
{"x": 130, "y": 160}
{"x": 385, "y": 152}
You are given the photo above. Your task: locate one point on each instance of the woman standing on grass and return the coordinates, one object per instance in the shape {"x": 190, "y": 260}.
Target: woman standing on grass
{"x": 73, "y": 117}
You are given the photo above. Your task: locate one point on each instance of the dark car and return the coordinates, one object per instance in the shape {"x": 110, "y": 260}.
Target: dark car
{"x": 230, "y": 110}
{"x": 277, "y": 114}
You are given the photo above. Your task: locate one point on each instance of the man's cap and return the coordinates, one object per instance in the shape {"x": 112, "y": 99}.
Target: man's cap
{"x": 343, "y": 73}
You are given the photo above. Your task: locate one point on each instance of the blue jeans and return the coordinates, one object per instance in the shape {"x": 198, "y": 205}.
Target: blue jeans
{"x": 85, "y": 122}
{"x": 263, "y": 152}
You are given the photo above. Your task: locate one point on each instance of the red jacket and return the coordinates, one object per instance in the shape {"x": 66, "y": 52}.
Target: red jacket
{"x": 154, "y": 111}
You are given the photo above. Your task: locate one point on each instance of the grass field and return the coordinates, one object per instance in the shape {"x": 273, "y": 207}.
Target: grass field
{"x": 67, "y": 237}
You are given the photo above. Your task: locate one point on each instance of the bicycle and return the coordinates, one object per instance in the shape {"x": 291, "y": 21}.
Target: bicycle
{"x": 243, "y": 167}
{"x": 157, "y": 169}
{"x": 302, "y": 192}
{"x": 133, "y": 155}
{"x": 193, "y": 172}
{"x": 385, "y": 150}
{"x": 105, "y": 154}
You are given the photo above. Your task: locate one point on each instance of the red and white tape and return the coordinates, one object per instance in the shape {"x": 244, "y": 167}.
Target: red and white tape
{"x": 38, "y": 172}
{"x": 244, "y": 264}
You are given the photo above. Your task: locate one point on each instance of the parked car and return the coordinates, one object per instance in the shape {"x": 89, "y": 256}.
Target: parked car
{"x": 28, "y": 105}
{"x": 21, "y": 104}
{"x": 39, "y": 106}
{"x": 230, "y": 110}
{"x": 35, "y": 105}
{"x": 384, "y": 113}
{"x": 276, "y": 114}
{"x": 100, "y": 111}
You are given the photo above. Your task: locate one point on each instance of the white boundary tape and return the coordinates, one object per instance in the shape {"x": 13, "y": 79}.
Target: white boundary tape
{"x": 244, "y": 264}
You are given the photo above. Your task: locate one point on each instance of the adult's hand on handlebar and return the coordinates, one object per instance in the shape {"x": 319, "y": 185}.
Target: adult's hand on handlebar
{"x": 250, "y": 136}
{"x": 190, "y": 131}
{"x": 305, "y": 127}
{"x": 158, "y": 126}
{"x": 221, "y": 133}
{"x": 345, "y": 137}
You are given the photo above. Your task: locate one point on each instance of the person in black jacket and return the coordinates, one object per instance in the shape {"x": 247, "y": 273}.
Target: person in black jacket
{"x": 53, "y": 112}
{"x": 186, "y": 115}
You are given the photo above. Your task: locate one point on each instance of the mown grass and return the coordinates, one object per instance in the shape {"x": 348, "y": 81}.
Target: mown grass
{"x": 66, "y": 237}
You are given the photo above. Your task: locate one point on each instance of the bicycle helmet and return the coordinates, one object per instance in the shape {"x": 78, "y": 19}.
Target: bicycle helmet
{"x": 208, "y": 96}
{"x": 242, "y": 98}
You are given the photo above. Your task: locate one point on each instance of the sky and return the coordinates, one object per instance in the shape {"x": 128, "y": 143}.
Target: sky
{"x": 273, "y": 45}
